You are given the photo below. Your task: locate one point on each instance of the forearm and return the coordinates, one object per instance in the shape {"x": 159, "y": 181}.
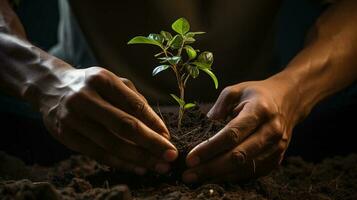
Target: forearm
{"x": 328, "y": 62}
{"x": 9, "y": 22}
{"x": 25, "y": 71}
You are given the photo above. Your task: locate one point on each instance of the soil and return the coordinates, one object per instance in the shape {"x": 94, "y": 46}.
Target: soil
{"x": 80, "y": 177}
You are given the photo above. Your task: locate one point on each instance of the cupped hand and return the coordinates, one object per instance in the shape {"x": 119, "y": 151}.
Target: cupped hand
{"x": 96, "y": 113}
{"x": 255, "y": 139}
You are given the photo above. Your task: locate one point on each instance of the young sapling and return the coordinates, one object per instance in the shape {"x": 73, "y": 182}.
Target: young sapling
{"x": 183, "y": 65}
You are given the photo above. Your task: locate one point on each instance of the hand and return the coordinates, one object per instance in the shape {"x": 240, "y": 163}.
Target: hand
{"x": 103, "y": 116}
{"x": 255, "y": 140}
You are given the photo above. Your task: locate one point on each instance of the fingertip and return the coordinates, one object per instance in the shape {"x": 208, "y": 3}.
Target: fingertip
{"x": 213, "y": 113}
{"x": 192, "y": 161}
{"x": 170, "y": 155}
{"x": 210, "y": 113}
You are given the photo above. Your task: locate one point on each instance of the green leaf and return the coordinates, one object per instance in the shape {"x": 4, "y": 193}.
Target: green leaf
{"x": 206, "y": 57}
{"x": 159, "y": 69}
{"x": 189, "y": 105}
{"x": 181, "y": 26}
{"x": 192, "y": 34}
{"x": 211, "y": 74}
{"x": 176, "y": 42}
{"x": 191, "y": 53}
{"x": 204, "y": 60}
{"x": 193, "y": 71}
{"x": 201, "y": 65}
{"x": 178, "y": 100}
{"x": 167, "y": 35}
{"x": 189, "y": 40}
{"x": 157, "y": 37}
{"x": 144, "y": 40}
{"x": 174, "y": 60}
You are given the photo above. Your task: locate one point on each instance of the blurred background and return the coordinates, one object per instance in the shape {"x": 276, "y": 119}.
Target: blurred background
{"x": 254, "y": 39}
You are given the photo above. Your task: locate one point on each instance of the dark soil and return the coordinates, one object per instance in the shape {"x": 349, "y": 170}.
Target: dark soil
{"x": 196, "y": 128}
{"x": 80, "y": 177}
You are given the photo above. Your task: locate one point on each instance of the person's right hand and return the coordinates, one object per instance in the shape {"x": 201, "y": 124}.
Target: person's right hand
{"x": 96, "y": 113}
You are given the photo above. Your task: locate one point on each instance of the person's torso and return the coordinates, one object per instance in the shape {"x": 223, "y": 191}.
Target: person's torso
{"x": 239, "y": 33}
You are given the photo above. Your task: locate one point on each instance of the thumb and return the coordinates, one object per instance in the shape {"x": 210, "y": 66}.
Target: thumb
{"x": 225, "y": 103}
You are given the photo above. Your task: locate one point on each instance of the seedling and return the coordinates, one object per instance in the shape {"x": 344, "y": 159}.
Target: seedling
{"x": 184, "y": 66}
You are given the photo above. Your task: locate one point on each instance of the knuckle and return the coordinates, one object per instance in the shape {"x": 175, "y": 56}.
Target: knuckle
{"x": 228, "y": 92}
{"x": 98, "y": 76}
{"x": 238, "y": 157}
{"x": 233, "y": 135}
{"x": 129, "y": 123}
{"x": 264, "y": 107}
{"x": 276, "y": 130}
{"x": 138, "y": 106}
{"x": 127, "y": 82}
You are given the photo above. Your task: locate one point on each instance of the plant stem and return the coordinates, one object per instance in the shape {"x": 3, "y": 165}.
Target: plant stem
{"x": 180, "y": 82}
{"x": 182, "y": 108}
{"x": 179, "y": 51}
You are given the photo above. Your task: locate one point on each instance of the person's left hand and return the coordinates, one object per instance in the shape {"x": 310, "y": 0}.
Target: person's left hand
{"x": 255, "y": 140}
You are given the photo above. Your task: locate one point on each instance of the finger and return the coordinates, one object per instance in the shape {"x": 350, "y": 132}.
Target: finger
{"x": 226, "y": 101}
{"x": 241, "y": 162}
{"x": 248, "y": 120}
{"x": 79, "y": 143}
{"x": 264, "y": 141}
{"x": 112, "y": 89}
{"x": 116, "y": 146}
{"x": 130, "y": 85}
{"x": 138, "y": 106}
{"x": 254, "y": 169}
{"x": 123, "y": 124}
{"x": 206, "y": 171}
{"x": 260, "y": 152}
{"x": 261, "y": 142}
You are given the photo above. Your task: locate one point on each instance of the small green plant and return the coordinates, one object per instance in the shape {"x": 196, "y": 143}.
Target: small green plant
{"x": 183, "y": 65}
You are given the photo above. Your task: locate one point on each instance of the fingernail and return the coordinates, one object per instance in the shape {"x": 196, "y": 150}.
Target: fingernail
{"x": 189, "y": 177}
{"x": 170, "y": 155}
{"x": 162, "y": 168}
{"x": 193, "y": 161}
{"x": 140, "y": 171}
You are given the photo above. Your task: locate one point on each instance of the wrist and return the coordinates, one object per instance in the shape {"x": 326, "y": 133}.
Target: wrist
{"x": 295, "y": 102}
{"x": 44, "y": 86}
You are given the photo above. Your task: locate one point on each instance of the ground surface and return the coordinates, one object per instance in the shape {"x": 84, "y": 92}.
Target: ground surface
{"x": 82, "y": 178}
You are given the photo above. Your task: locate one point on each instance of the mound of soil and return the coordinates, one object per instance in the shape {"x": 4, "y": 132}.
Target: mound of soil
{"x": 80, "y": 177}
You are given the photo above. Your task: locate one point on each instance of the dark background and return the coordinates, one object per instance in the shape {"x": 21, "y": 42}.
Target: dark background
{"x": 40, "y": 19}
{"x": 329, "y": 130}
